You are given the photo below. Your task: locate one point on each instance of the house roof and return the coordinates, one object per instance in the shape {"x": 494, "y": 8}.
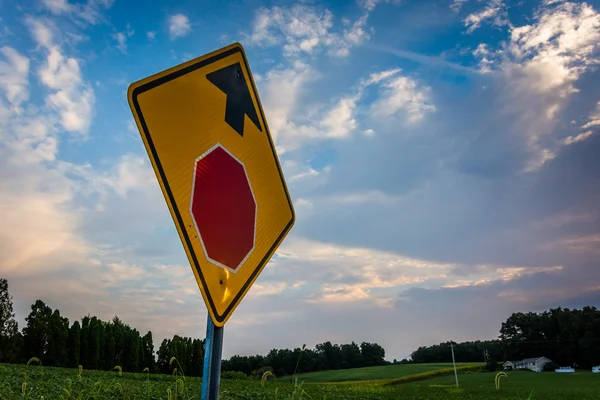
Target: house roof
{"x": 528, "y": 360}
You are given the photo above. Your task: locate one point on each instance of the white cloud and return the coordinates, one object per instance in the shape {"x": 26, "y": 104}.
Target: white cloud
{"x": 89, "y": 12}
{"x": 552, "y": 54}
{"x": 580, "y": 244}
{"x": 457, "y": 5}
{"x": 541, "y": 64}
{"x": 14, "y": 76}
{"x": 370, "y": 5}
{"x": 538, "y": 159}
{"x": 38, "y": 227}
{"x": 47, "y": 208}
{"x": 70, "y": 95}
{"x": 594, "y": 119}
{"x": 40, "y": 233}
{"x": 366, "y": 197}
{"x": 354, "y": 274}
{"x": 73, "y": 98}
{"x": 564, "y": 219}
{"x": 121, "y": 38}
{"x": 339, "y": 121}
{"x": 282, "y": 90}
{"x": 41, "y": 30}
{"x": 578, "y": 138}
{"x": 565, "y": 34}
{"x": 494, "y": 11}
{"x": 131, "y": 172}
{"x": 179, "y": 25}
{"x": 357, "y": 34}
{"x": 378, "y": 77}
{"x": 305, "y": 29}
{"x": 267, "y": 289}
{"x": 296, "y": 171}
{"x": 402, "y": 93}
{"x": 40, "y": 222}
{"x": 124, "y": 272}
{"x": 58, "y": 6}
{"x": 121, "y": 41}
{"x": 482, "y": 52}
{"x": 151, "y": 35}
{"x": 293, "y": 127}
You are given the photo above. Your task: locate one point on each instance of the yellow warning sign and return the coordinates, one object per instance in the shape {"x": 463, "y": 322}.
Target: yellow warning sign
{"x": 207, "y": 138}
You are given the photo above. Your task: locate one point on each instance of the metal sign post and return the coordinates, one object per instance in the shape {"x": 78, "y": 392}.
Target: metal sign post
{"x": 211, "y": 373}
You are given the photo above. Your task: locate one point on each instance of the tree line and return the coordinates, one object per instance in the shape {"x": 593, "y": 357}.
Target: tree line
{"x": 325, "y": 356}
{"x": 102, "y": 345}
{"x": 91, "y": 343}
{"x": 565, "y": 336}
{"x": 568, "y": 337}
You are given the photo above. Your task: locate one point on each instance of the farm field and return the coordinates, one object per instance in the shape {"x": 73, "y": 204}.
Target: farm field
{"x": 518, "y": 384}
{"x": 61, "y": 383}
{"x": 372, "y": 373}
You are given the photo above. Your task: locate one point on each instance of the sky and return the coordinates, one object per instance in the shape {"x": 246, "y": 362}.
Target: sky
{"x": 441, "y": 156}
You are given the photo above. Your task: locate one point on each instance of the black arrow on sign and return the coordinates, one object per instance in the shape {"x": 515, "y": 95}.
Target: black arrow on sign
{"x": 231, "y": 81}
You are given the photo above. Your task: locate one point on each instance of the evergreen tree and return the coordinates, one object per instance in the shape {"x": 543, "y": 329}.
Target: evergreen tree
{"x": 35, "y": 333}
{"x": 198, "y": 357}
{"x": 109, "y": 361}
{"x": 141, "y": 355}
{"x": 148, "y": 351}
{"x": 163, "y": 356}
{"x": 74, "y": 345}
{"x": 58, "y": 337}
{"x": 119, "y": 330}
{"x": 189, "y": 356}
{"x": 102, "y": 350}
{"x": 85, "y": 339}
{"x": 9, "y": 349}
{"x": 131, "y": 354}
{"x": 94, "y": 344}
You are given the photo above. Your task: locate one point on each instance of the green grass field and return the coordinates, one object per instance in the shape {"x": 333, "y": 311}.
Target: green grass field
{"x": 29, "y": 382}
{"x": 372, "y": 373}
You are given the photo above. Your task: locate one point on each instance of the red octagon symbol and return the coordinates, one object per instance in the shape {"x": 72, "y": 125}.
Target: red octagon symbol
{"x": 223, "y": 208}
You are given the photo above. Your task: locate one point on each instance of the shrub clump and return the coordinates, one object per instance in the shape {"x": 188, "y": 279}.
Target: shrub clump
{"x": 234, "y": 375}
{"x": 550, "y": 366}
{"x": 257, "y": 374}
{"x": 491, "y": 366}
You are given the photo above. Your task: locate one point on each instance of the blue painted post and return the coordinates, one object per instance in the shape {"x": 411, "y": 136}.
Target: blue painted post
{"x": 211, "y": 374}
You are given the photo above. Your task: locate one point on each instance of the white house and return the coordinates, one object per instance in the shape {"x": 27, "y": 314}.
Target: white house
{"x": 509, "y": 365}
{"x": 535, "y": 364}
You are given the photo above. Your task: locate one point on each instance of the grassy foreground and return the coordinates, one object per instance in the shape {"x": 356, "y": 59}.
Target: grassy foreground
{"x": 34, "y": 382}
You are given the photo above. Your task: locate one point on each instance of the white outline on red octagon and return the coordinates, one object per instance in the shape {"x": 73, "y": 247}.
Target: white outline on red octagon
{"x": 194, "y": 220}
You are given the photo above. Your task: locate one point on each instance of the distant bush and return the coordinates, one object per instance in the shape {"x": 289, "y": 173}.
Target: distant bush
{"x": 234, "y": 375}
{"x": 550, "y": 366}
{"x": 491, "y": 366}
{"x": 257, "y": 374}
